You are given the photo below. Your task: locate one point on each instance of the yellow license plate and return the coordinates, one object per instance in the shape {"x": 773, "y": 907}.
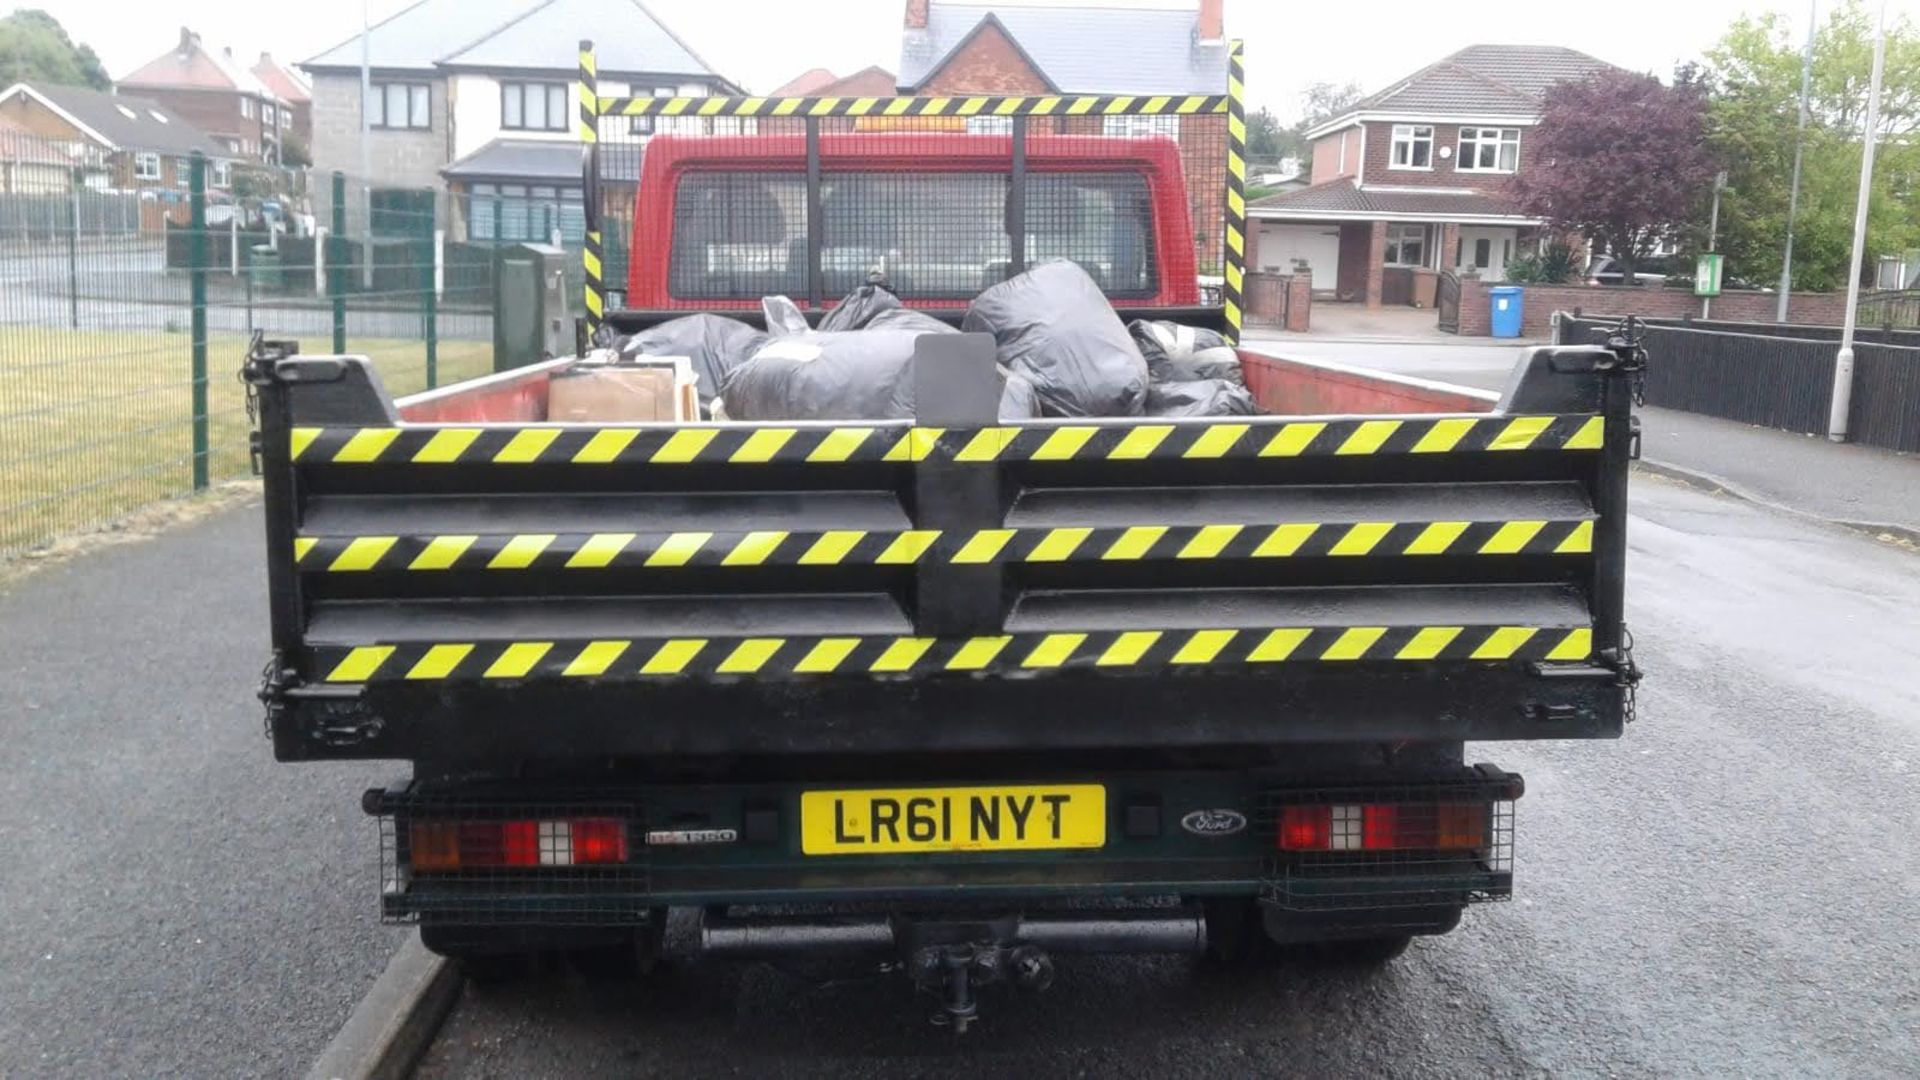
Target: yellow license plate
{"x": 1031, "y": 818}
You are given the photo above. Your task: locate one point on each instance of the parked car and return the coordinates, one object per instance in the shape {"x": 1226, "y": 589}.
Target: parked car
{"x": 1605, "y": 270}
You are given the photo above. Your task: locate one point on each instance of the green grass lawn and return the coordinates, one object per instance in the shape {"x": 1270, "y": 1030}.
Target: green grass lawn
{"x": 96, "y": 424}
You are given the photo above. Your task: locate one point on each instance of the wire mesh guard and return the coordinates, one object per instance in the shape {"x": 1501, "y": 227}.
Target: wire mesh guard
{"x": 1369, "y": 848}
{"x": 703, "y": 207}
{"x": 474, "y": 861}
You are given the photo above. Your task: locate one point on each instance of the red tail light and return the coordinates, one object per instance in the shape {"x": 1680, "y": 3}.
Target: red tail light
{"x": 1305, "y": 828}
{"x": 485, "y": 845}
{"x": 1384, "y": 827}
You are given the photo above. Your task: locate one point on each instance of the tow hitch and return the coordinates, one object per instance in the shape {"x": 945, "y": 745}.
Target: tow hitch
{"x": 949, "y": 958}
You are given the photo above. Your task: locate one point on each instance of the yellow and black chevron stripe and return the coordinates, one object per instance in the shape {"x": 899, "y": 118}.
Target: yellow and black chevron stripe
{"x": 1236, "y": 224}
{"x": 1037, "y": 105}
{"x": 855, "y": 547}
{"x": 801, "y": 657}
{"x": 436, "y": 445}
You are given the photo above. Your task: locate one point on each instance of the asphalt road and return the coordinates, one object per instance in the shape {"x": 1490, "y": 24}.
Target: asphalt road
{"x": 1732, "y": 889}
{"x": 172, "y": 901}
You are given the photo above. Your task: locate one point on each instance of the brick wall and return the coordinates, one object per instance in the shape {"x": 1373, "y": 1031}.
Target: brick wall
{"x": 1327, "y": 161}
{"x": 1445, "y": 172}
{"x": 1355, "y": 250}
{"x": 396, "y": 158}
{"x": 989, "y": 64}
{"x": 1280, "y": 301}
{"x": 1541, "y": 301}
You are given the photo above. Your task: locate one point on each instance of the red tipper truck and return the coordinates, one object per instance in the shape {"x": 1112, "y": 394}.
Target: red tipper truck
{"x": 956, "y": 692}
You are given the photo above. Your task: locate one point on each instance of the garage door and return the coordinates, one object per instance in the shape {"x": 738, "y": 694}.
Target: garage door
{"x": 1282, "y": 246}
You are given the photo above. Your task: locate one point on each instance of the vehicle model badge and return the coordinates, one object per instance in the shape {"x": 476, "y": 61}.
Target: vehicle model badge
{"x": 1214, "y": 822}
{"x": 674, "y": 837}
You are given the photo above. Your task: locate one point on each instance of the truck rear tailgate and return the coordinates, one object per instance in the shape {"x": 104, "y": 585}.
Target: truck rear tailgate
{"x": 478, "y": 584}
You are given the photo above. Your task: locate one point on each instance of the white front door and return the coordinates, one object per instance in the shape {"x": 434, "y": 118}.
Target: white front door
{"x": 1487, "y": 250}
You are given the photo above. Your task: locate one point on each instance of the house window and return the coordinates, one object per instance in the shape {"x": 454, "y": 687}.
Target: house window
{"x": 1485, "y": 149}
{"x": 246, "y": 107}
{"x": 1406, "y": 245}
{"x": 519, "y": 212}
{"x": 146, "y": 166}
{"x": 647, "y": 125}
{"x": 1412, "y": 147}
{"x": 221, "y": 173}
{"x": 1137, "y": 126}
{"x": 400, "y": 106}
{"x": 534, "y": 107}
{"x": 182, "y": 171}
{"x": 989, "y": 125}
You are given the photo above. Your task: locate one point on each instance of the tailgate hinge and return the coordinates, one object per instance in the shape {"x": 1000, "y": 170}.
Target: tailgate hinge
{"x": 255, "y": 372}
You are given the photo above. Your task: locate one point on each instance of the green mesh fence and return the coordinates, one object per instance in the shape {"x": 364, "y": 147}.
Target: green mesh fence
{"x": 134, "y": 282}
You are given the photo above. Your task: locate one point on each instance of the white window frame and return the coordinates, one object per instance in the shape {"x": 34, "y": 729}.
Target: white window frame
{"x": 183, "y": 172}
{"x": 648, "y": 125}
{"x": 246, "y": 107}
{"x": 556, "y": 113}
{"x": 1141, "y": 125}
{"x": 220, "y": 173}
{"x": 1480, "y": 137}
{"x": 1406, "y": 137}
{"x": 1397, "y": 232}
{"x": 419, "y": 102}
{"x": 990, "y": 125}
{"x": 146, "y": 166}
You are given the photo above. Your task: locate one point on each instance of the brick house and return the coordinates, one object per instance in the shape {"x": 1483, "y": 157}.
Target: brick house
{"x": 1418, "y": 178}
{"x": 479, "y": 95}
{"x": 870, "y": 81}
{"x": 954, "y": 48}
{"x": 116, "y": 142}
{"x": 216, "y": 94}
{"x": 294, "y": 94}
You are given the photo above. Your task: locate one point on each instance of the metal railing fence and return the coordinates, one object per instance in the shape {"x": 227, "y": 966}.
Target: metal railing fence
{"x": 134, "y": 283}
{"x": 1781, "y": 380}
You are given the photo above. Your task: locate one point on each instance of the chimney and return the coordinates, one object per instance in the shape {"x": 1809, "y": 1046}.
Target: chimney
{"x": 917, "y": 14}
{"x": 189, "y": 41}
{"x": 1211, "y": 27}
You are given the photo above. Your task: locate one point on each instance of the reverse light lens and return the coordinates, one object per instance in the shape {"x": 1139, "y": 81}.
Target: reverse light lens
{"x": 439, "y": 846}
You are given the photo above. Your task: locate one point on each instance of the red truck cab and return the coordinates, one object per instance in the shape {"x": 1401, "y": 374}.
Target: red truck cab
{"x": 925, "y": 209}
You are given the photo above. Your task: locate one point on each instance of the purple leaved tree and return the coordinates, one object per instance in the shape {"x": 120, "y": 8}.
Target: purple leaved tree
{"x": 1626, "y": 161}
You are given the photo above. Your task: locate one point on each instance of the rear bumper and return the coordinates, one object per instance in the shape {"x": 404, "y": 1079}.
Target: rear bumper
{"x": 1068, "y": 711}
{"x": 750, "y": 854}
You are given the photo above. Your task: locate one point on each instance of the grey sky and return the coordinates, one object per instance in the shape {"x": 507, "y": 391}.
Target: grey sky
{"x": 761, "y": 43}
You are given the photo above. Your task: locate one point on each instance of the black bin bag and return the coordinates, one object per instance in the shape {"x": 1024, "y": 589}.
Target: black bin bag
{"x": 859, "y": 307}
{"x": 1053, "y": 325}
{"x": 1178, "y": 353}
{"x": 714, "y": 343}
{"x": 830, "y": 375}
{"x": 1200, "y": 397}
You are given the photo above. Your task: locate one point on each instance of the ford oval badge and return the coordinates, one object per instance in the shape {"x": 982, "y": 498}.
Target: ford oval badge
{"x": 1214, "y": 822}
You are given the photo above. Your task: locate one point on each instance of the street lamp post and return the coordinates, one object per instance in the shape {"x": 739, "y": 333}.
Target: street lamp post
{"x": 1842, "y": 402}
{"x": 1799, "y": 152}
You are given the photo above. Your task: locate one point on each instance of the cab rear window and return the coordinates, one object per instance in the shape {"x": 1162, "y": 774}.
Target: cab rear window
{"x": 743, "y": 235}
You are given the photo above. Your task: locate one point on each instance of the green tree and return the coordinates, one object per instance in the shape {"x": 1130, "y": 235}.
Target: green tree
{"x": 34, "y": 47}
{"x": 1754, "y": 73}
{"x": 1266, "y": 139}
